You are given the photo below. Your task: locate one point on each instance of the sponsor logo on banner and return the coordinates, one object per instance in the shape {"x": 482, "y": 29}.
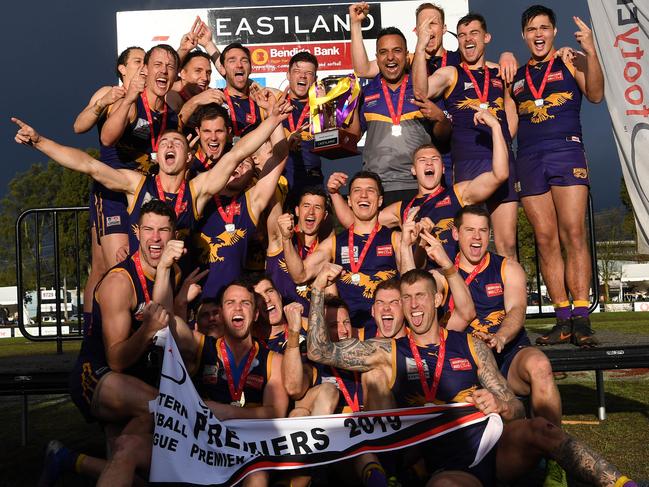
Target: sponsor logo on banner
{"x": 495, "y": 289}
{"x": 460, "y": 364}
{"x": 384, "y": 251}
{"x": 275, "y": 57}
{"x": 443, "y": 202}
{"x": 297, "y": 23}
{"x": 555, "y": 76}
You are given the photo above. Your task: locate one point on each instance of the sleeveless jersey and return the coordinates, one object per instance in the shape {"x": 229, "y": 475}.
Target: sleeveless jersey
{"x": 441, "y": 209}
{"x": 246, "y": 121}
{"x": 556, "y": 123}
{"x": 452, "y": 59}
{"x": 212, "y": 381}
{"x": 148, "y": 366}
{"x": 221, "y": 250}
{"x": 469, "y": 141}
{"x": 302, "y": 161}
{"x": 277, "y": 342}
{"x": 133, "y": 149}
{"x": 278, "y": 272}
{"x": 200, "y": 163}
{"x": 146, "y": 191}
{"x": 459, "y": 373}
{"x": 379, "y": 265}
{"x": 351, "y": 380}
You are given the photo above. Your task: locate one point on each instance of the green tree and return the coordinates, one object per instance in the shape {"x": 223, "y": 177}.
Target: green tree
{"x": 526, "y": 248}
{"x": 45, "y": 186}
{"x": 628, "y": 224}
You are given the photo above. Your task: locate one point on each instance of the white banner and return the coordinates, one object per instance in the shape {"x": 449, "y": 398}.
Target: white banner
{"x": 192, "y": 447}
{"x": 275, "y": 33}
{"x": 622, "y": 37}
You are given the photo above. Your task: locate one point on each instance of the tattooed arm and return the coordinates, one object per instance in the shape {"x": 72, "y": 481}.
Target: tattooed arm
{"x": 496, "y": 397}
{"x": 350, "y": 354}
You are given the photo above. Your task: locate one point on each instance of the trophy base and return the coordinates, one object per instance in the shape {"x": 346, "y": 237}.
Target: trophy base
{"x": 335, "y": 144}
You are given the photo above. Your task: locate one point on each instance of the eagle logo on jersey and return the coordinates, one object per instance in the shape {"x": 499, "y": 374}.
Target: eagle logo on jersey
{"x": 369, "y": 283}
{"x": 210, "y": 246}
{"x": 144, "y": 163}
{"x": 540, "y": 114}
{"x": 489, "y": 322}
{"x": 474, "y": 104}
{"x": 443, "y": 225}
{"x": 302, "y": 291}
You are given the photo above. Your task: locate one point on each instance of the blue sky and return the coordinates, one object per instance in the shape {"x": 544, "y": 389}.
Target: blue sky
{"x": 58, "y": 53}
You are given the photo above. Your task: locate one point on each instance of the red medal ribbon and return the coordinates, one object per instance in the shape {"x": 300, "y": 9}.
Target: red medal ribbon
{"x": 228, "y": 214}
{"x": 140, "y": 276}
{"x": 484, "y": 94}
{"x": 538, "y": 94}
{"x": 163, "y": 125}
{"x": 203, "y": 159}
{"x": 301, "y": 245}
{"x": 469, "y": 279}
{"x": 428, "y": 198}
{"x": 352, "y": 403}
{"x": 233, "y": 115}
{"x": 429, "y": 393}
{"x": 179, "y": 196}
{"x": 444, "y": 58}
{"x": 236, "y": 393}
{"x": 300, "y": 120}
{"x": 396, "y": 117}
{"x": 355, "y": 266}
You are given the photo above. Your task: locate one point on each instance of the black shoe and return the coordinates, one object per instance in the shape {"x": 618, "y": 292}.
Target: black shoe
{"x": 560, "y": 333}
{"x": 582, "y": 333}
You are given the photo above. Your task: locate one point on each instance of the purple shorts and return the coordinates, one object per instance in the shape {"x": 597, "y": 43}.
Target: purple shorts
{"x": 108, "y": 211}
{"x": 468, "y": 169}
{"x": 538, "y": 171}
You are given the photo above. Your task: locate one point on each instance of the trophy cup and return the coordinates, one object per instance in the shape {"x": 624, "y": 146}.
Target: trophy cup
{"x": 332, "y": 102}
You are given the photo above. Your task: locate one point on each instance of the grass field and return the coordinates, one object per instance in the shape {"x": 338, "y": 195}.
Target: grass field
{"x": 623, "y": 438}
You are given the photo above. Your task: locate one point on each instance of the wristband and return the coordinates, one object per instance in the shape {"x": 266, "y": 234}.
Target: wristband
{"x": 293, "y": 340}
{"x": 448, "y": 271}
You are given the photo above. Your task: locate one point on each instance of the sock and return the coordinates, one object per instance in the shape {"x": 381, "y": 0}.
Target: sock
{"x": 562, "y": 310}
{"x": 580, "y": 309}
{"x": 625, "y": 482}
{"x": 374, "y": 475}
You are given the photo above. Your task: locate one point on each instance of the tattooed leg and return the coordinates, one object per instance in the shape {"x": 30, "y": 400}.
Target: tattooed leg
{"x": 579, "y": 460}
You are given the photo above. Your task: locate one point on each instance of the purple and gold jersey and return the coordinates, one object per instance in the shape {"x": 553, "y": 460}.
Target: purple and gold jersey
{"x": 302, "y": 165}
{"x": 351, "y": 380}
{"x": 441, "y": 209}
{"x": 133, "y": 150}
{"x": 278, "y": 272}
{"x": 277, "y": 342}
{"x": 221, "y": 250}
{"x": 459, "y": 373}
{"x": 244, "y": 120}
{"x": 379, "y": 265}
{"x": 555, "y": 124}
{"x": 211, "y": 379}
{"x": 146, "y": 191}
{"x": 470, "y": 141}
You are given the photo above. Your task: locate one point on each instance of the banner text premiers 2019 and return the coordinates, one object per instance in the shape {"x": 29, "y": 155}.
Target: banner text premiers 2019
{"x": 305, "y": 23}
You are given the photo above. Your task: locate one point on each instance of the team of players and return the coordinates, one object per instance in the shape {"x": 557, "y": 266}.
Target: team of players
{"x": 439, "y": 127}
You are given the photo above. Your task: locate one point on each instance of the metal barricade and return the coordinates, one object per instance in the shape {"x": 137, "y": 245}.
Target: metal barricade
{"x": 39, "y": 229}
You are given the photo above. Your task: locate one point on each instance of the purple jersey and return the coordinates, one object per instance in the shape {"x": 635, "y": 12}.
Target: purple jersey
{"x": 222, "y": 246}
{"x": 302, "y": 164}
{"x": 244, "y": 119}
{"x": 379, "y": 265}
{"x": 470, "y": 141}
{"x": 351, "y": 382}
{"x": 553, "y": 121}
{"x": 278, "y": 272}
{"x": 133, "y": 149}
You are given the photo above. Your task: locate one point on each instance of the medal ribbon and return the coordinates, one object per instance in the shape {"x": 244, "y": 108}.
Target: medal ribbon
{"x": 163, "y": 124}
{"x": 233, "y": 115}
{"x": 228, "y": 214}
{"x": 469, "y": 279}
{"x": 352, "y": 403}
{"x": 428, "y": 198}
{"x": 236, "y": 393}
{"x": 444, "y": 58}
{"x": 140, "y": 276}
{"x": 396, "y": 117}
{"x": 179, "y": 196}
{"x": 301, "y": 245}
{"x": 355, "y": 266}
{"x": 484, "y": 94}
{"x": 202, "y": 158}
{"x": 538, "y": 94}
{"x": 300, "y": 120}
{"x": 429, "y": 393}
